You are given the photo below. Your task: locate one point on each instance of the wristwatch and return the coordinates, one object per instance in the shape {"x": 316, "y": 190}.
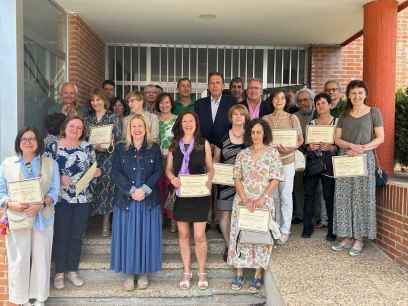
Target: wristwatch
{"x": 266, "y": 196}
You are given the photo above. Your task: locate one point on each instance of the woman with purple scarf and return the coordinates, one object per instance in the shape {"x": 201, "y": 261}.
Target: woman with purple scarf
{"x": 189, "y": 153}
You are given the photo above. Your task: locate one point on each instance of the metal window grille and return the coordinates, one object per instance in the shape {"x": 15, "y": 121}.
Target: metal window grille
{"x": 133, "y": 66}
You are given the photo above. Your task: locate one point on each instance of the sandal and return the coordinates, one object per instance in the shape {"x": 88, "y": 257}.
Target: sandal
{"x": 256, "y": 284}
{"x": 202, "y": 281}
{"x": 185, "y": 282}
{"x": 340, "y": 246}
{"x": 237, "y": 283}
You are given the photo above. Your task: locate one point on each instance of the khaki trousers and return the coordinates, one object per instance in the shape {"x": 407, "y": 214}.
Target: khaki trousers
{"x": 29, "y": 264}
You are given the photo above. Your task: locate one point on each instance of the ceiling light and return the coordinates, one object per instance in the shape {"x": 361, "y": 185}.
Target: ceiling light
{"x": 207, "y": 16}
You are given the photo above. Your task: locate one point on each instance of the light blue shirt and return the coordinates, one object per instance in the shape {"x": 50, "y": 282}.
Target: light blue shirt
{"x": 40, "y": 222}
{"x": 215, "y": 104}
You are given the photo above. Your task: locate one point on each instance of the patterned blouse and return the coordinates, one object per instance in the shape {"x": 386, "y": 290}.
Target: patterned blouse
{"x": 72, "y": 162}
{"x": 165, "y": 134}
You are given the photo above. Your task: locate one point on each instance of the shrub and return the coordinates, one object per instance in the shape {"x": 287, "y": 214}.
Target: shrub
{"x": 401, "y": 127}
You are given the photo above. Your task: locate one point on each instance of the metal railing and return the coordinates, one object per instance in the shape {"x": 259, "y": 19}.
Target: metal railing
{"x": 133, "y": 66}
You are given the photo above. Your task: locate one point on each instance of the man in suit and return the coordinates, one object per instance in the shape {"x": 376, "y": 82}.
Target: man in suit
{"x": 213, "y": 110}
{"x": 256, "y": 107}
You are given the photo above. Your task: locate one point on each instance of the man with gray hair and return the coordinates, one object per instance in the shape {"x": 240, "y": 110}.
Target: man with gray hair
{"x": 150, "y": 94}
{"x": 69, "y": 106}
{"x": 304, "y": 100}
{"x": 338, "y": 105}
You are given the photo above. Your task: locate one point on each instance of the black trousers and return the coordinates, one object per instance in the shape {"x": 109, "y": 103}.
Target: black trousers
{"x": 310, "y": 185}
{"x": 70, "y": 223}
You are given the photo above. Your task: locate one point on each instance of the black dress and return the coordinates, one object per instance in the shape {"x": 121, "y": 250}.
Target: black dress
{"x": 191, "y": 209}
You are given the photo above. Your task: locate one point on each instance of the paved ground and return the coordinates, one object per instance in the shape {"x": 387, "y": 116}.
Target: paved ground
{"x": 309, "y": 273}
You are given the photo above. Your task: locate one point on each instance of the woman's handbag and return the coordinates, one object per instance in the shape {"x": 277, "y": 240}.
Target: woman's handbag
{"x": 258, "y": 235}
{"x": 381, "y": 177}
{"x": 19, "y": 220}
{"x": 315, "y": 166}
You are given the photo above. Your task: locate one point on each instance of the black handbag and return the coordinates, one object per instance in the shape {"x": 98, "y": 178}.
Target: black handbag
{"x": 314, "y": 164}
{"x": 381, "y": 177}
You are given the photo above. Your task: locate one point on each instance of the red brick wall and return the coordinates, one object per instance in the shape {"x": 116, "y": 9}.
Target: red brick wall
{"x": 3, "y": 273}
{"x": 86, "y": 51}
{"x": 346, "y": 63}
{"x": 402, "y": 49}
{"x": 392, "y": 221}
{"x": 342, "y": 64}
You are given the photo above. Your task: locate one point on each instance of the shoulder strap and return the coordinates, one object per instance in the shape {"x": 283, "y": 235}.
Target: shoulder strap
{"x": 377, "y": 160}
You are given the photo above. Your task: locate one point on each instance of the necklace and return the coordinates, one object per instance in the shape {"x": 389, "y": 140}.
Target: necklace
{"x": 237, "y": 135}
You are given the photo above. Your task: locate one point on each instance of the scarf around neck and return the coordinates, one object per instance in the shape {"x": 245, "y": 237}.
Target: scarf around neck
{"x": 186, "y": 158}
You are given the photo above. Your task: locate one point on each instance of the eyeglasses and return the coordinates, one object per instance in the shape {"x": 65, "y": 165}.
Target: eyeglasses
{"x": 332, "y": 89}
{"x": 28, "y": 139}
{"x": 303, "y": 100}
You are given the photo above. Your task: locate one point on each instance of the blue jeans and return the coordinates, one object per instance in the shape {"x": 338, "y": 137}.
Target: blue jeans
{"x": 70, "y": 224}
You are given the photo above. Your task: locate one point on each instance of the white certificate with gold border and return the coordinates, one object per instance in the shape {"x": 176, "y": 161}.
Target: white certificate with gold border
{"x": 101, "y": 134}
{"x": 320, "y": 134}
{"x": 284, "y": 137}
{"x": 193, "y": 185}
{"x": 85, "y": 179}
{"x": 26, "y": 191}
{"x": 350, "y": 166}
{"x": 253, "y": 221}
{"x": 223, "y": 174}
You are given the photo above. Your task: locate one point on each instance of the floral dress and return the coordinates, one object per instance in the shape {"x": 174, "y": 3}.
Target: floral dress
{"x": 255, "y": 176}
{"x": 73, "y": 162}
{"x": 103, "y": 190}
{"x": 165, "y": 134}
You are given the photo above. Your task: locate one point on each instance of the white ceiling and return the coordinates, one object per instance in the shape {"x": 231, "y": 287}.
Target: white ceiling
{"x": 250, "y": 22}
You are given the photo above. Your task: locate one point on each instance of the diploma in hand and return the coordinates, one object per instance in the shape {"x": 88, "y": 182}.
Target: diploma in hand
{"x": 320, "y": 134}
{"x": 223, "y": 174}
{"x": 350, "y": 166}
{"x": 284, "y": 137}
{"x": 26, "y": 191}
{"x": 257, "y": 221}
{"x": 193, "y": 186}
{"x": 85, "y": 179}
{"x": 101, "y": 134}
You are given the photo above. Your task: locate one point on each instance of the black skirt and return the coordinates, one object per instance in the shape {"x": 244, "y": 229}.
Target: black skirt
{"x": 192, "y": 209}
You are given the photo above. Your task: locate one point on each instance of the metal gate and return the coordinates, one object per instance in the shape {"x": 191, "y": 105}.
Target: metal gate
{"x": 133, "y": 66}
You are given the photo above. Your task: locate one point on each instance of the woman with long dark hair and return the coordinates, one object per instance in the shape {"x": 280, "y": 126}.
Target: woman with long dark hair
{"x": 189, "y": 153}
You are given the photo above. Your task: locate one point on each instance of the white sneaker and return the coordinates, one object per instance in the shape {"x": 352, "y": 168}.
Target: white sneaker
{"x": 38, "y": 303}
{"x": 59, "y": 281}
{"x": 27, "y": 304}
{"x": 283, "y": 239}
{"x": 75, "y": 279}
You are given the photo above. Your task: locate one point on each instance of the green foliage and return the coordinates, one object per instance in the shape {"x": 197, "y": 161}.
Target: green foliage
{"x": 401, "y": 127}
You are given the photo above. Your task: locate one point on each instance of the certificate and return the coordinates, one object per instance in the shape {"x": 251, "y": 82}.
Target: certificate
{"x": 253, "y": 221}
{"x": 349, "y": 166}
{"x": 193, "y": 186}
{"x": 85, "y": 179}
{"x": 223, "y": 174}
{"x": 320, "y": 134}
{"x": 284, "y": 137}
{"x": 101, "y": 134}
{"x": 26, "y": 191}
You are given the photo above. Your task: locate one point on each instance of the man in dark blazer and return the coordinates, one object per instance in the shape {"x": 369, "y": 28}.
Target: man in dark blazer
{"x": 256, "y": 107}
{"x": 213, "y": 110}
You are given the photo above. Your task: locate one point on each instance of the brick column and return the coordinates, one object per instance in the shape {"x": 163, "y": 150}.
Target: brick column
{"x": 380, "y": 33}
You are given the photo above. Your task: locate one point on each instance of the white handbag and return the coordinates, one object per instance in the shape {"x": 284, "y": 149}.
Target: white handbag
{"x": 300, "y": 161}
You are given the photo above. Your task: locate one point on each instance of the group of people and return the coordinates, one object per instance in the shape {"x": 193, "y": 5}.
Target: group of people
{"x": 155, "y": 140}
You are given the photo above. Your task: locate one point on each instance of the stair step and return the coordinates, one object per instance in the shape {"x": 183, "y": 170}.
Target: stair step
{"x": 221, "y": 300}
{"x": 169, "y": 261}
{"x": 95, "y": 244}
{"x": 100, "y": 285}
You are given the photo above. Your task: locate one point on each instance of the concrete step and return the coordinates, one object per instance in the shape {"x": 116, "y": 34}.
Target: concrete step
{"x": 97, "y": 245}
{"x": 221, "y": 300}
{"x": 105, "y": 288}
{"x": 169, "y": 262}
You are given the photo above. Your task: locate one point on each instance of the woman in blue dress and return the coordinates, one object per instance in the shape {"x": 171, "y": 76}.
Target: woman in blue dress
{"x": 136, "y": 229}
